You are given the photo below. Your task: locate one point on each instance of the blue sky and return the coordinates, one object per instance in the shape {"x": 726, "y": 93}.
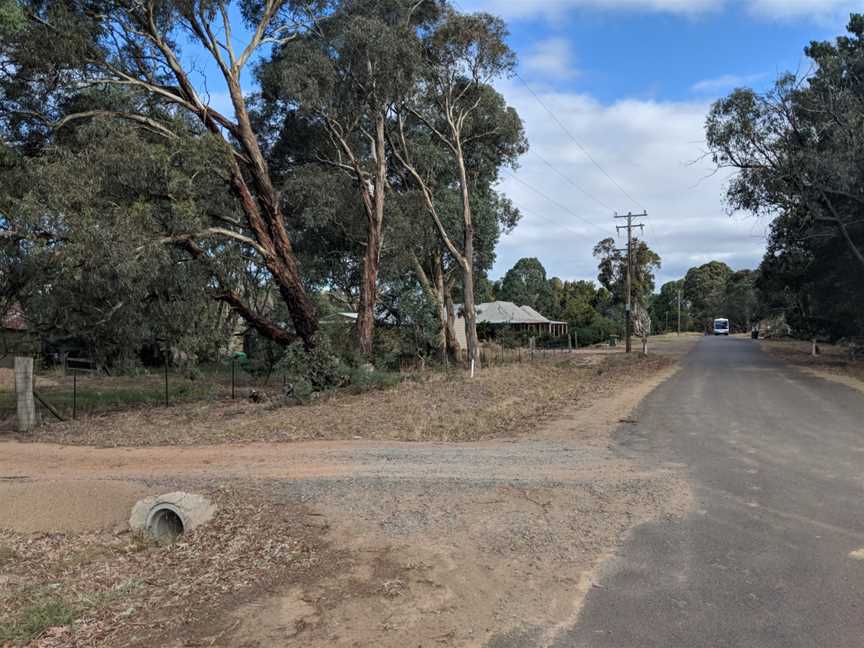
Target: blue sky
{"x": 631, "y": 81}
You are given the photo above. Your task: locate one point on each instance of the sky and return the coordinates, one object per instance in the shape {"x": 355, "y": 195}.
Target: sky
{"x": 630, "y": 82}
{"x": 613, "y": 95}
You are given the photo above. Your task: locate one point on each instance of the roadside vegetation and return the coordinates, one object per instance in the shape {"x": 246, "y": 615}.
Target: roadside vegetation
{"x": 506, "y": 401}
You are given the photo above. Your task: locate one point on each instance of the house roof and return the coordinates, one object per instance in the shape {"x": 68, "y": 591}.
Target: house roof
{"x": 13, "y": 318}
{"x": 502, "y": 312}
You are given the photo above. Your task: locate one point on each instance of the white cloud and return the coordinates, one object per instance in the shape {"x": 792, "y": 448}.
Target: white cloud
{"x": 725, "y": 82}
{"x": 648, "y": 147}
{"x": 555, "y": 9}
{"x": 551, "y": 59}
{"x": 818, "y": 9}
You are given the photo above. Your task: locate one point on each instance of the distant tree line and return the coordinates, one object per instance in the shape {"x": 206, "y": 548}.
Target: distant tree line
{"x": 707, "y": 292}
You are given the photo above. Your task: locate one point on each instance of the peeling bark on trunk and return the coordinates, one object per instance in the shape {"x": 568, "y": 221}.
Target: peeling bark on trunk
{"x": 371, "y": 259}
{"x": 467, "y": 263}
{"x": 368, "y": 291}
{"x": 451, "y": 342}
{"x": 279, "y": 259}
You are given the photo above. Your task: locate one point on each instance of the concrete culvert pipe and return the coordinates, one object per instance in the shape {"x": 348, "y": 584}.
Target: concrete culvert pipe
{"x": 165, "y": 524}
{"x": 166, "y": 517}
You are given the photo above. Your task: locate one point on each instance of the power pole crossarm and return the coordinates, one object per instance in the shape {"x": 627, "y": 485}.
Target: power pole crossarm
{"x": 628, "y": 298}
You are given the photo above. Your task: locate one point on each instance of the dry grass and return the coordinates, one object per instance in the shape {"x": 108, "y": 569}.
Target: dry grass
{"x": 500, "y": 401}
{"x": 107, "y": 590}
{"x": 832, "y": 358}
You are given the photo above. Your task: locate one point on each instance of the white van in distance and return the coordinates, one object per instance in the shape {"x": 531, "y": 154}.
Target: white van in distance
{"x": 721, "y": 326}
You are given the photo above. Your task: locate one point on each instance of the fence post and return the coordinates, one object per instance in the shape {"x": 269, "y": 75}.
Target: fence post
{"x": 166, "y": 381}
{"x": 24, "y": 393}
{"x": 233, "y": 365}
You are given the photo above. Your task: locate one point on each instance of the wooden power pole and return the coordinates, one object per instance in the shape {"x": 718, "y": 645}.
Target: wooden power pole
{"x": 629, "y": 277}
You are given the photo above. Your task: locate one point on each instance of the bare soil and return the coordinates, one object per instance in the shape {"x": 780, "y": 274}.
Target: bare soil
{"x": 66, "y": 506}
{"x": 832, "y": 362}
{"x": 343, "y": 542}
{"x": 123, "y": 589}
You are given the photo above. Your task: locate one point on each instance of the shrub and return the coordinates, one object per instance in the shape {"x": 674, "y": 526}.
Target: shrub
{"x": 320, "y": 367}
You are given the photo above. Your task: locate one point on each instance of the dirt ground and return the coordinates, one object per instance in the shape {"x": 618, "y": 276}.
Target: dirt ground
{"x": 423, "y": 543}
{"x": 832, "y": 362}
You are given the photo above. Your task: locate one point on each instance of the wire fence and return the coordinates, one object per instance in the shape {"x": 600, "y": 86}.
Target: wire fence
{"x": 74, "y": 388}
{"x": 80, "y": 388}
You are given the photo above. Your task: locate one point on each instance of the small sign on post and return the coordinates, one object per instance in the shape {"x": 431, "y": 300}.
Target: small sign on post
{"x": 24, "y": 393}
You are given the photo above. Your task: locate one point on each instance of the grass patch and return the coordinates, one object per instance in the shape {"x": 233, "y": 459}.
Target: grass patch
{"x": 96, "y": 395}
{"x": 363, "y": 379}
{"x": 36, "y": 618}
{"x": 7, "y": 555}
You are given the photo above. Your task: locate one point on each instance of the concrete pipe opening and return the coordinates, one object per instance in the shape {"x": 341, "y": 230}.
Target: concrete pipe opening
{"x": 166, "y": 517}
{"x": 166, "y": 525}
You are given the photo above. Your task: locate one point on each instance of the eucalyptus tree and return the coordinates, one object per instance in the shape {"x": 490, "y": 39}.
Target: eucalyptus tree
{"x": 417, "y": 249}
{"x": 796, "y": 153}
{"x": 66, "y": 50}
{"x": 469, "y": 123}
{"x": 342, "y": 78}
{"x": 88, "y": 225}
{"x": 526, "y": 284}
{"x": 612, "y": 269}
{"x": 797, "y": 148}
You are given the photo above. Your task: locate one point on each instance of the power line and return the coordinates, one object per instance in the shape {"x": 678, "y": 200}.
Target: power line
{"x": 577, "y": 142}
{"x": 572, "y": 182}
{"x": 556, "y": 203}
{"x": 551, "y": 221}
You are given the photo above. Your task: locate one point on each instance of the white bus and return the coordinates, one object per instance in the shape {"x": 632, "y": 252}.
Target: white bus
{"x": 721, "y": 326}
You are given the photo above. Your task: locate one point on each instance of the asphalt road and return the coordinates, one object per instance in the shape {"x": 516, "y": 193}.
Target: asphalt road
{"x": 776, "y": 459}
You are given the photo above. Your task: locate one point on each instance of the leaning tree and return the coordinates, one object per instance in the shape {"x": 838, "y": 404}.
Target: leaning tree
{"x": 66, "y": 59}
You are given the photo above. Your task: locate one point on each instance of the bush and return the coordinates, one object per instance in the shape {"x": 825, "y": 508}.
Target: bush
{"x": 598, "y": 331}
{"x": 320, "y": 368}
{"x": 374, "y": 379}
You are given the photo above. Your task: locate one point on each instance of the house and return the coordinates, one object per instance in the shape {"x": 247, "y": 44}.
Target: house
{"x": 502, "y": 314}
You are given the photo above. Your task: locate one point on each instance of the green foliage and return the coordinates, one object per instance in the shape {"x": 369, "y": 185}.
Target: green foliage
{"x": 612, "y": 269}
{"x": 99, "y": 275}
{"x": 664, "y": 307}
{"x": 11, "y": 17}
{"x": 36, "y": 619}
{"x": 364, "y": 379}
{"x": 319, "y": 368}
{"x": 599, "y": 330}
{"x": 796, "y": 152}
{"x": 704, "y": 289}
{"x": 525, "y": 284}
{"x": 128, "y": 226}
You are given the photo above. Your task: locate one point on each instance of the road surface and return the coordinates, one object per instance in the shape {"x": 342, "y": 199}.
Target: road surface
{"x": 768, "y": 556}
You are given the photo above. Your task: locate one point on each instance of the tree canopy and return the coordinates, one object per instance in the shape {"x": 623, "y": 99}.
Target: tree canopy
{"x": 796, "y": 151}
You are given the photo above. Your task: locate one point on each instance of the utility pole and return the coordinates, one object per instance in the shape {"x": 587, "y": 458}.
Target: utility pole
{"x": 629, "y": 278}
{"x": 679, "y": 311}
